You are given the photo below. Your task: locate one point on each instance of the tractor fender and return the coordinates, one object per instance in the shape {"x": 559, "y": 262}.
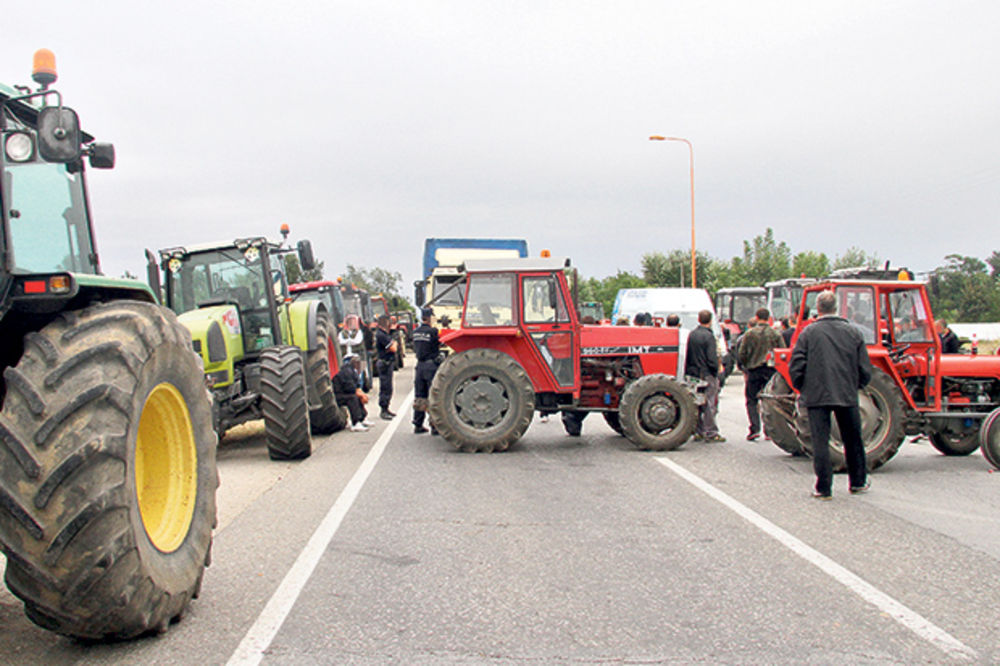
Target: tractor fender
{"x": 302, "y": 318}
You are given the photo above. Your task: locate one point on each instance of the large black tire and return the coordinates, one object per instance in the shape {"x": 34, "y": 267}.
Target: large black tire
{"x": 481, "y": 400}
{"x": 778, "y": 415}
{"x": 881, "y": 405}
{"x": 951, "y": 444}
{"x": 614, "y": 421}
{"x": 657, "y": 413}
{"x": 283, "y": 403}
{"x": 322, "y": 363}
{"x": 107, "y": 472}
{"x": 989, "y": 438}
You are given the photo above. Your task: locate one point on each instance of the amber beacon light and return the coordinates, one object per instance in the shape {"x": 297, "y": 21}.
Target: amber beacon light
{"x": 43, "y": 68}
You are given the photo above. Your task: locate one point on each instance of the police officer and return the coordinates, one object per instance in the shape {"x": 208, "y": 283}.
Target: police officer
{"x": 385, "y": 351}
{"x": 427, "y": 348}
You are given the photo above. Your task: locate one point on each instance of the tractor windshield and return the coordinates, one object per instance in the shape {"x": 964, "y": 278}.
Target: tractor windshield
{"x": 441, "y": 283}
{"x": 216, "y": 276}
{"x": 47, "y": 213}
{"x": 785, "y": 301}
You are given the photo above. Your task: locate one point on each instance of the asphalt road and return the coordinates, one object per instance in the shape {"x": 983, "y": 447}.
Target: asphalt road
{"x": 390, "y": 547}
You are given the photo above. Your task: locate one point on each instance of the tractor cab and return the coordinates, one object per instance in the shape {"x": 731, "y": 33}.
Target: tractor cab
{"x": 326, "y": 292}
{"x": 784, "y": 296}
{"x": 736, "y": 306}
{"x": 242, "y": 281}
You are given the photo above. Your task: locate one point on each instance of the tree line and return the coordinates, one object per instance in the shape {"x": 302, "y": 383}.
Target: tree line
{"x": 963, "y": 289}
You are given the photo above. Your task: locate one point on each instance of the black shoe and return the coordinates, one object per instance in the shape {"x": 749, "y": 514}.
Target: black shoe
{"x": 434, "y": 431}
{"x": 753, "y": 436}
{"x": 419, "y": 429}
{"x": 387, "y": 415}
{"x": 858, "y": 490}
{"x": 822, "y": 496}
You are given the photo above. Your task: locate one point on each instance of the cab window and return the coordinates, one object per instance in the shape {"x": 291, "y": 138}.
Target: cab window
{"x": 857, "y": 305}
{"x": 543, "y": 302}
{"x": 490, "y": 301}
{"x": 909, "y": 318}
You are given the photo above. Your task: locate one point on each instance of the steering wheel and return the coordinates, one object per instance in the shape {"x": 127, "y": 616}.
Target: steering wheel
{"x": 898, "y": 351}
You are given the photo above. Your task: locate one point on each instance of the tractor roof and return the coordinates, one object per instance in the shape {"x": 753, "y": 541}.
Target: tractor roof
{"x": 525, "y": 265}
{"x": 741, "y": 290}
{"x": 238, "y": 243}
{"x": 309, "y": 286}
{"x": 890, "y": 283}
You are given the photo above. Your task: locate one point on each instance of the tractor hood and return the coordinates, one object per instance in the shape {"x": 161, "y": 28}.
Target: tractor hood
{"x": 627, "y": 340}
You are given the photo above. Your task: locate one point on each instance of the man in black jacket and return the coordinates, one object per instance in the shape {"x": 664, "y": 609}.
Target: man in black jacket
{"x": 702, "y": 362}
{"x": 949, "y": 341}
{"x": 426, "y": 347}
{"x": 385, "y": 364}
{"x": 347, "y": 391}
{"x": 829, "y": 365}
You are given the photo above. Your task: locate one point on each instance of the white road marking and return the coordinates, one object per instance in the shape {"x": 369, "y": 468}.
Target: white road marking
{"x": 910, "y": 619}
{"x": 258, "y": 638}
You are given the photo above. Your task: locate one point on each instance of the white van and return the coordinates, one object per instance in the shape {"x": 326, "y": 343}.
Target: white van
{"x": 684, "y": 302}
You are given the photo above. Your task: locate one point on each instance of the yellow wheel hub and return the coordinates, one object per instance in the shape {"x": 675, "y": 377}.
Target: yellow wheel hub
{"x": 166, "y": 468}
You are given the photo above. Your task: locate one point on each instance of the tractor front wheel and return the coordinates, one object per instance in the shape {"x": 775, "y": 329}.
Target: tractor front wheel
{"x": 777, "y": 406}
{"x": 481, "y": 400}
{"x": 989, "y": 438}
{"x": 107, "y": 472}
{"x": 955, "y": 443}
{"x": 284, "y": 404}
{"x": 657, "y": 413}
{"x": 322, "y": 363}
{"x": 881, "y": 406}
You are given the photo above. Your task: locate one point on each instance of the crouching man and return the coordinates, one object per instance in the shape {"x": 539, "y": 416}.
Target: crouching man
{"x": 347, "y": 390}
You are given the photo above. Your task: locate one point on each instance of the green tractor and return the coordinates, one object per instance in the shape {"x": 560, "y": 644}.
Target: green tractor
{"x": 264, "y": 355}
{"x": 107, "y": 454}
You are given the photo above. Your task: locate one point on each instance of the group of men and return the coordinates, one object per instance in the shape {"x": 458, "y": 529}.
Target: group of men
{"x": 829, "y": 364}
{"x": 348, "y": 386}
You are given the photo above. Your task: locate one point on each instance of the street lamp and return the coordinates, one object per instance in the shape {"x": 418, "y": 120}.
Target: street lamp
{"x": 694, "y": 268}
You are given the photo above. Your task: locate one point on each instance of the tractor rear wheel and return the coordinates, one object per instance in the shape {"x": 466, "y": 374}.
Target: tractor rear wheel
{"x": 778, "y": 415}
{"x": 283, "y": 403}
{"x": 657, "y": 413}
{"x": 107, "y": 472}
{"x": 881, "y": 405}
{"x": 989, "y": 438}
{"x": 322, "y": 363}
{"x": 955, "y": 444}
{"x": 481, "y": 400}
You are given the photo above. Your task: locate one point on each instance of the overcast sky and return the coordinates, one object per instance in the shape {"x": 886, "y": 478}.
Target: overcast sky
{"x": 369, "y": 126}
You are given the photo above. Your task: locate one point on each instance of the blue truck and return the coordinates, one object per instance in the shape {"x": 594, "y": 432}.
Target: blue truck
{"x": 443, "y": 256}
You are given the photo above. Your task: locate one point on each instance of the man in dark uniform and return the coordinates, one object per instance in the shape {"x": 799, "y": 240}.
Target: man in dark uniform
{"x": 829, "y": 365}
{"x": 347, "y": 391}
{"x": 385, "y": 353}
{"x": 426, "y": 347}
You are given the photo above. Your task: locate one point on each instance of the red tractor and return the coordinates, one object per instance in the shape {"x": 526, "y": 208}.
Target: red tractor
{"x": 736, "y": 306}
{"x": 521, "y": 348}
{"x": 915, "y": 389}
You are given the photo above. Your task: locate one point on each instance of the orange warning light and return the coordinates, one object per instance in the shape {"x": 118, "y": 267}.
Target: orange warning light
{"x": 43, "y": 67}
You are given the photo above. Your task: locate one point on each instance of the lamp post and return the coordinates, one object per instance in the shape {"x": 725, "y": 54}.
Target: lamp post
{"x": 694, "y": 267}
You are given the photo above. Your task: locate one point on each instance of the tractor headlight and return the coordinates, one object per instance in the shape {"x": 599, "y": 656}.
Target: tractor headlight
{"x": 19, "y": 147}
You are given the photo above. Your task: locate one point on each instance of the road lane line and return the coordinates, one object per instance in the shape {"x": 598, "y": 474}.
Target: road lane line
{"x": 910, "y": 619}
{"x": 258, "y": 638}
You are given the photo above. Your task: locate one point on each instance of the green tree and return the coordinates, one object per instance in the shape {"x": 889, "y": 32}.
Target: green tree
{"x": 605, "y": 290}
{"x": 811, "y": 264}
{"x": 674, "y": 270}
{"x": 764, "y": 259}
{"x": 379, "y": 281}
{"x": 855, "y": 256}
{"x": 965, "y": 290}
{"x": 295, "y": 273}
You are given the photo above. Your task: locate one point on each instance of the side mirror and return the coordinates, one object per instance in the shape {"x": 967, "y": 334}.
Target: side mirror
{"x": 418, "y": 293}
{"x": 153, "y": 274}
{"x": 102, "y": 155}
{"x": 306, "y": 259}
{"x": 58, "y": 134}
